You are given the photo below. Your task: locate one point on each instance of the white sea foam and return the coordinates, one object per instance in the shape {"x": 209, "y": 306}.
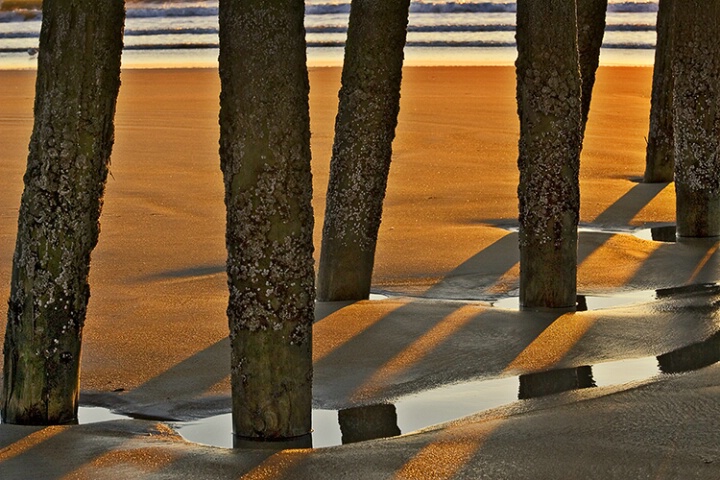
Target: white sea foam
{"x": 465, "y": 27}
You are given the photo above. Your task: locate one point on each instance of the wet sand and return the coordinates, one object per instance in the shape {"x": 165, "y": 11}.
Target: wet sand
{"x": 155, "y": 338}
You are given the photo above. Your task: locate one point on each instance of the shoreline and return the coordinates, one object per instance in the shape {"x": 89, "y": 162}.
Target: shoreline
{"x": 333, "y": 57}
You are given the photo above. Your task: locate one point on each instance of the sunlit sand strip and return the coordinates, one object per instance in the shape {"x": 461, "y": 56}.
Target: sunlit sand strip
{"x": 625, "y": 250}
{"x": 444, "y": 458}
{"x": 659, "y": 207}
{"x": 553, "y": 344}
{"x": 139, "y": 462}
{"x": 340, "y": 327}
{"x": 30, "y": 441}
{"x": 219, "y": 388}
{"x": 507, "y": 282}
{"x": 703, "y": 262}
{"x": 278, "y": 466}
{"x": 419, "y": 349}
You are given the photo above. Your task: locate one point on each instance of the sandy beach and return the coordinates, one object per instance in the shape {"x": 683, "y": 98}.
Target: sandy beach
{"x": 155, "y": 337}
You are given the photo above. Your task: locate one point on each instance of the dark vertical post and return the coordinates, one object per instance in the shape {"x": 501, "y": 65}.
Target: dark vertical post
{"x": 549, "y": 106}
{"x": 78, "y": 79}
{"x": 696, "y": 116}
{"x": 591, "y": 30}
{"x": 362, "y": 150}
{"x": 660, "y": 151}
{"x": 265, "y": 159}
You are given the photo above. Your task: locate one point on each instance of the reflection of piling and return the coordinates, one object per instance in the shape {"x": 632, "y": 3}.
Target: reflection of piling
{"x": 555, "y": 381}
{"x": 664, "y": 234}
{"x": 692, "y": 357}
{"x": 694, "y": 289}
{"x": 252, "y": 443}
{"x": 366, "y": 423}
{"x": 581, "y": 305}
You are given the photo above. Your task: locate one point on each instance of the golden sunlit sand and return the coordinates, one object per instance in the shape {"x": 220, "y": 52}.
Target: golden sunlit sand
{"x": 155, "y": 337}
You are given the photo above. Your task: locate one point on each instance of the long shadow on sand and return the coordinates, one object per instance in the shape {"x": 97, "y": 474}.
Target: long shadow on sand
{"x": 625, "y": 208}
{"x": 176, "y": 391}
{"x": 413, "y": 345}
{"x": 493, "y": 272}
{"x": 411, "y": 333}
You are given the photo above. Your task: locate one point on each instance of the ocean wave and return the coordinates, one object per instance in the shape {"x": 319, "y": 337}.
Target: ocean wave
{"x": 148, "y": 10}
{"x": 511, "y": 28}
{"x": 319, "y": 29}
{"x": 192, "y": 24}
{"x": 633, "y": 7}
{"x": 200, "y": 9}
{"x": 630, "y": 46}
{"x": 332, "y": 43}
{"x": 473, "y": 7}
{"x": 456, "y": 7}
{"x": 170, "y": 12}
{"x": 169, "y": 31}
{"x": 426, "y": 44}
{"x": 461, "y": 28}
{"x": 19, "y": 16}
{"x": 430, "y": 7}
{"x": 328, "y": 29}
{"x": 627, "y": 27}
{"x": 172, "y": 46}
{"x": 8, "y": 35}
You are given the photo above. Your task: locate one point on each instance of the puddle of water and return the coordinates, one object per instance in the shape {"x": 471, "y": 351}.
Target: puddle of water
{"x": 591, "y": 302}
{"x": 96, "y": 414}
{"x": 625, "y": 371}
{"x": 443, "y": 404}
{"x": 413, "y": 412}
{"x": 666, "y": 234}
{"x": 424, "y": 409}
{"x": 440, "y": 405}
{"x": 217, "y": 430}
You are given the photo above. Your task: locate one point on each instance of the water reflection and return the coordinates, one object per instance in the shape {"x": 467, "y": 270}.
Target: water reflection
{"x": 600, "y": 302}
{"x": 591, "y": 302}
{"x": 304, "y": 441}
{"x": 696, "y": 288}
{"x": 92, "y": 414}
{"x": 450, "y": 402}
{"x": 692, "y": 357}
{"x": 664, "y": 234}
{"x": 555, "y": 381}
{"x": 367, "y": 423}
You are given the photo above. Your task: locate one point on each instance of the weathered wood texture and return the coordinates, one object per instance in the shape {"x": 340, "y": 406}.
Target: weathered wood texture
{"x": 369, "y": 102}
{"x": 265, "y": 159}
{"x": 660, "y": 151}
{"x": 591, "y": 30}
{"x": 549, "y": 106}
{"x": 696, "y": 117}
{"x": 77, "y": 85}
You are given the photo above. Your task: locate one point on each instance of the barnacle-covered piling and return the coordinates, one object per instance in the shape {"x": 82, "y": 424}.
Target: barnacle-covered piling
{"x": 369, "y": 102}
{"x": 696, "y": 117}
{"x": 660, "y": 151}
{"x": 77, "y": 85}
{"x": 591, "y": 31}
{"x": 549, "y": 106}
{"x": 265, "y": 159}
